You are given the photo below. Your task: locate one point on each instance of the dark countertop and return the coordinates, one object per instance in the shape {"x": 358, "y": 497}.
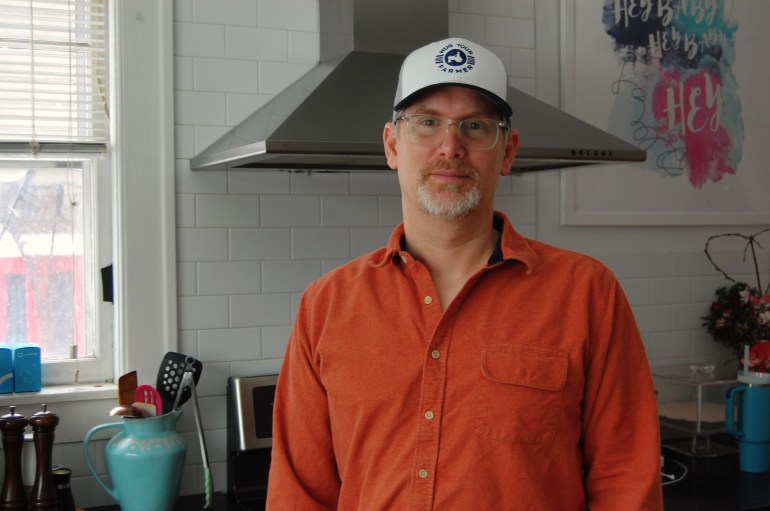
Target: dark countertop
{"x": 746, "y": 492}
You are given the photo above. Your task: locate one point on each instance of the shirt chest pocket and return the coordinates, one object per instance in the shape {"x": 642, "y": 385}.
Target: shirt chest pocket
{"x": 520, "y": 396}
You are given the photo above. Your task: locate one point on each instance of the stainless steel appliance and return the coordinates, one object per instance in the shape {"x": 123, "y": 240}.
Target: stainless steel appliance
{"x": 249, "y": 439}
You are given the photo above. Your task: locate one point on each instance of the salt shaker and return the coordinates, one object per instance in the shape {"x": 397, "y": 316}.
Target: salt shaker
{"x": 43, "y": 497}
{"x": 13, "y": 496}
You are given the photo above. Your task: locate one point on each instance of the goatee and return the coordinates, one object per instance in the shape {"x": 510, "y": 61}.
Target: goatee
{"x": 449, "y": 201}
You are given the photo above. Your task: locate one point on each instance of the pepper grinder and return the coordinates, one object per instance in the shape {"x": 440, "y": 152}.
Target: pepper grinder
{"x": 13, "y": 496}
{"x": 43, "y": 497}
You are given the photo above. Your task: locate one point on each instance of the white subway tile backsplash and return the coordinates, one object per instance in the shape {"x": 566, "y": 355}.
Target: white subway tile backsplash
{"x": 320, "y": 243}
{"x": 184, "y": 143}
{"x": 469, "y": 26}
{"x": 254, "y": 44}
{"x": 234, "y": 12}
{"x": 201, "y": 181}
{"x": 187, "y": 279}
{"x": 218, "y": 210}
{"x": 226, "y": 75}
{"x": 183, "y": 10}
{"x": 511, "y": 32}
{"x": 268, "y": 309}
{"x": 375, "y": 183}
{"x": 199, "y": 108}
{"x": 637, "y": 291}
{"x": 185, "y": 210}
{"x": 486, "y": 7}
{"x": 241, "y": 106}
{"x": 649, "y": 264}
{"x": 183, "y": 73}
{"x": 202, "y": 312}
{"x": 228, "y": 278}
{"x": 226, "y": 344}
{"x": 320, "y": 183}
{"x": 290, "y": 211}
{"x": 199, "y": 40}
{"x": 522, "y": 62}
{"x": 207, "y": 135}
{"x": 289, "y": 14}
{"x": 366, "y": 239}
{"x": 259, "y": 182}
{"x": 354, "y": 210}
{"x": 670, "y": 291}
{"x": 274, "y": 341}
{"x": 260, "y": 244}
{"x": 289, "y": 276}
{"x": 304, "y": 47}
{"x": 653, "y": 318}
{"x": 201, "y": 244}
{"x": 391, "y": 213}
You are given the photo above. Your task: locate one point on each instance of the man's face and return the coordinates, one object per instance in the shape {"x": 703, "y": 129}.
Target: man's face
{"x": 449, "y": 181}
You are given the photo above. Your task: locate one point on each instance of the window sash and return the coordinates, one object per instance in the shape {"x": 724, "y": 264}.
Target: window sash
{"x": 53, "y": 72}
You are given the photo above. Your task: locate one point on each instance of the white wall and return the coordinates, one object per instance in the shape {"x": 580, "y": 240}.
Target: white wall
{"x": 248, "y": 242}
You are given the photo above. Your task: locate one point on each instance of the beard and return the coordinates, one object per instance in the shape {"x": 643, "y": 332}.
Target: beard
{"x": 449, "y": 201}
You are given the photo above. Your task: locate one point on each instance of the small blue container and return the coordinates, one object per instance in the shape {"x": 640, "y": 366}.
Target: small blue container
{"x": 27, "y": 373}
{"x": 6, "y": 370}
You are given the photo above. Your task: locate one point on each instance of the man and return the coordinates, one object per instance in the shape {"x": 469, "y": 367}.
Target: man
{"x": 463, "y": 367}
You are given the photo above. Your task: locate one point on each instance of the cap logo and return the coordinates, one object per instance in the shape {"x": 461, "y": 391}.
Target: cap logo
{"x": 455, "y": 59}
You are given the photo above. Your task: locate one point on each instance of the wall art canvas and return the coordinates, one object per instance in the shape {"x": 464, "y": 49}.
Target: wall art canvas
{"x": 686, "y": 80}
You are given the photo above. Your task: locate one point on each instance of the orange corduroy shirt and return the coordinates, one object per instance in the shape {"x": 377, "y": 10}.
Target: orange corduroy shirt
{"x": 530, "y": 391}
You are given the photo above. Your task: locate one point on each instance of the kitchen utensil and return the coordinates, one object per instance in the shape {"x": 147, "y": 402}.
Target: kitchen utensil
{"x": 172, "y": 368}
{"x": 127, "y": 411}
{"x": 126, "y": 388}
{"x": 147, "y": 409}
{"x": 188, "y": 382}
{"x": 145, "y": 460}
{"x": 149, "y": 394}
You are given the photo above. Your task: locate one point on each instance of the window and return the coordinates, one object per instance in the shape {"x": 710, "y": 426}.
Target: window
{"x": 55, "y": 184}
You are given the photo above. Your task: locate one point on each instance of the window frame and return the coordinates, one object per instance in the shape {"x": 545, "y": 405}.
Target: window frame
{"x": 143, "y": 197}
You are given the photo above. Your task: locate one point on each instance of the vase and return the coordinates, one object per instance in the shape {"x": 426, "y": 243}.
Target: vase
{"x": 145, "y": 461}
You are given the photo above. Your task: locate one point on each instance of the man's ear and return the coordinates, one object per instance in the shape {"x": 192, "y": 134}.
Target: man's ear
{"x": 389, "y": 141}
{"x": 511, "y": 146}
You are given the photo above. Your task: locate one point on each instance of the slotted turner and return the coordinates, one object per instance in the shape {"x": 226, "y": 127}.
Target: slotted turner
{"x": 170, "y": 374}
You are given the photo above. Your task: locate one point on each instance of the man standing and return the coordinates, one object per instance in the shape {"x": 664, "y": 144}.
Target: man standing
{"x": 463, "y": 367}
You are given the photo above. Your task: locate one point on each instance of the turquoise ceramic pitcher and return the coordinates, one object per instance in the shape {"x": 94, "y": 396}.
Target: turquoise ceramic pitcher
{"x": 145, "y": 461}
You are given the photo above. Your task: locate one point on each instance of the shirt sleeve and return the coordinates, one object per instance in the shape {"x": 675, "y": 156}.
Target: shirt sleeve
{"x": 621, "y": 433}
{"x": 303, "y": 472}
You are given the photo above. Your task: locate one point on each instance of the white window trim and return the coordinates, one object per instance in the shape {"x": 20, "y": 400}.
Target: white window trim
{"x": 144, "y": 249}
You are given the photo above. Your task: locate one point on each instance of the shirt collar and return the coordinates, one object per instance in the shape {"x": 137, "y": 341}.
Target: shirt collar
{"x": 512, "y": 246}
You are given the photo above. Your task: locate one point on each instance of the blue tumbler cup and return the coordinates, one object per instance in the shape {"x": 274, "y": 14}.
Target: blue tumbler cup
{"x": 747, "y": 417}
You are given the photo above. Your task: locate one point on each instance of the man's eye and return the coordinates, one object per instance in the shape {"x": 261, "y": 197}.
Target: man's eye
{"x": 429, "y": 122}
{"x": 475, "y": 125}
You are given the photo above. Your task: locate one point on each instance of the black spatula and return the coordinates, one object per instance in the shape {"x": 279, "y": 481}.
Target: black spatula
{"x": 170, "y": 374}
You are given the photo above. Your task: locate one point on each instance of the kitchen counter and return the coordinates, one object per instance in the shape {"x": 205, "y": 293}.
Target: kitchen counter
{"x": 220, "y": 502}
{"x": 746, "y": 492}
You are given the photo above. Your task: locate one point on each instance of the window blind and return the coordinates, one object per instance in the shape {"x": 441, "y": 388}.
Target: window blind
{"x": 53, "y": 74}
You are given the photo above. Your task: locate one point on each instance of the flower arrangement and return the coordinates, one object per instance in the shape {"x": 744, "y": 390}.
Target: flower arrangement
{"x": 740, "y": 315}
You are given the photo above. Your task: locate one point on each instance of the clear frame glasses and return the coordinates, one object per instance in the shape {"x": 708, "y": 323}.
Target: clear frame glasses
{"x": 429, "y": 131}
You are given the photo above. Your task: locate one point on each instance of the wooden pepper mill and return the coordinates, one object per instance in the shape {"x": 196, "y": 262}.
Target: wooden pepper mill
{"x": 43, "y": 496}
{"x": 13, "y": 497}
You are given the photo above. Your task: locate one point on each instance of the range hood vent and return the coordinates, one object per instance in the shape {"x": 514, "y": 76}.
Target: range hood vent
{"x": 332, "y": 118}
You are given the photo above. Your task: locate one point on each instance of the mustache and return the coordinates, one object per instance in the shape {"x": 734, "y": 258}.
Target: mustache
{"x": 450, "y": 164}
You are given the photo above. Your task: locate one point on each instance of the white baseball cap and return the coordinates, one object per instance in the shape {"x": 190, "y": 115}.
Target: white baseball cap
{"x": 453, "y": 61}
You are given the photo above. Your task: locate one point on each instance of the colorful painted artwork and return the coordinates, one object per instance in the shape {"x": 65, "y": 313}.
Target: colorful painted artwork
{"x": 686, "y": 80}
{"x": 676, "y": 63}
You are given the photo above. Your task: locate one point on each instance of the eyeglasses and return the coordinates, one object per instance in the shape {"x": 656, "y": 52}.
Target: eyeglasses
{"x": 429, "y": 131}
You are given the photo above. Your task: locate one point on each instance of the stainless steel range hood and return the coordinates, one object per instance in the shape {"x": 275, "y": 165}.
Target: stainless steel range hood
{"x": 332, "y": 118}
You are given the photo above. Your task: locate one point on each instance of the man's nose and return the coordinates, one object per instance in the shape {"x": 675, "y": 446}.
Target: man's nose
{"x": 451, "y": 145}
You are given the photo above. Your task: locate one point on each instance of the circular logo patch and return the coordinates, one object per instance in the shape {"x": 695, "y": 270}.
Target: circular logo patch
{"x": 455, "y": 58}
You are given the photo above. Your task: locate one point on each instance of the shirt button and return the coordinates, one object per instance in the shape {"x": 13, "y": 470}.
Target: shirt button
{"x": 404, "y": 259}
{"x": 428, "y": 300}
{"x": 429, "y": 415}
{"x": 435, "y": 354}
{"x": 422, "y": 473}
